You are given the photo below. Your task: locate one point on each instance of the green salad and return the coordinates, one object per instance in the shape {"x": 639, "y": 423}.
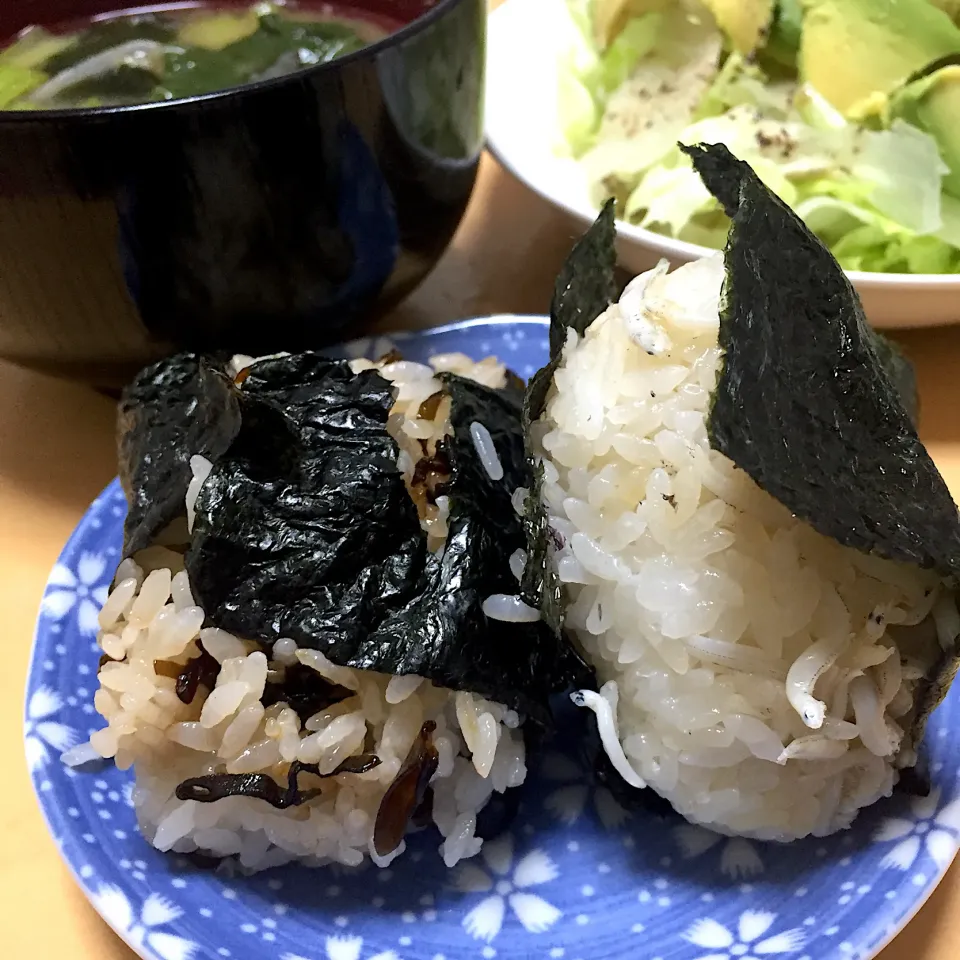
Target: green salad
{"x": 848, "y": 109}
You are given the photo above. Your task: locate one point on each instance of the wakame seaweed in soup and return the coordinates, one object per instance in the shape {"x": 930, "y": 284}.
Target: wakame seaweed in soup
{"x": 175, "y": 52}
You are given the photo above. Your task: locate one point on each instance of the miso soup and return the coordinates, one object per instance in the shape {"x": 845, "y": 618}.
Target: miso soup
{"x": 174, "y": 50}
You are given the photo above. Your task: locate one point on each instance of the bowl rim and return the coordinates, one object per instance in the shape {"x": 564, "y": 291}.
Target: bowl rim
{"x": 669, "y": 246}
{"x": 435, "y": 11}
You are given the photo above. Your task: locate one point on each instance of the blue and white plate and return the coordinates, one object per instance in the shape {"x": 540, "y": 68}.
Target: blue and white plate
{"x": 575, "y": 877}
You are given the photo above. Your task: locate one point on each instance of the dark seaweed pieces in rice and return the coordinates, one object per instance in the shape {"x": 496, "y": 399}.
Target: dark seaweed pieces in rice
{"x": 406, "y": 795}
{"x": 259, "y": 786}
{"x": 305, "y": 691}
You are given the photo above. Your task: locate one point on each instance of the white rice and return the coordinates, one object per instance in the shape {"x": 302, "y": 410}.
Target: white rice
{"x": 756, "y": 674}
{"x": 518, "y": 563}
{"x": 509, "y": 608}
{"x": 486, "y": 450}
{"x": 150, "y": 627}
{"x": 200, "y": 467}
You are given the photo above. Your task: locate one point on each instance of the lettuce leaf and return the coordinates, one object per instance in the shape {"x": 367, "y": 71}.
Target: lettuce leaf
{"x": 577, "y": 111}
{"x": 739, "y": 83}
{"x": 903, "y": 171}
{"x": 816, "y": 111}
{"x": 669, "y": 196}
{"x": 863, "y": 239}
{"x": 588, "y": 75}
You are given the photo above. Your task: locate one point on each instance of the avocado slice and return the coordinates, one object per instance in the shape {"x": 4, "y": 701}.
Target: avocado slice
{"x": 609, "y": 17}
{"x": 745, "y": 22}
{"x": 857, "y": 52}
{"x": 950, "y": 7}
{"x": 933, "y": 104}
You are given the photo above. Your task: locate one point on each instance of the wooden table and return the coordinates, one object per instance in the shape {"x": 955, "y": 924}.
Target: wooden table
{"x": 57, "y": 453}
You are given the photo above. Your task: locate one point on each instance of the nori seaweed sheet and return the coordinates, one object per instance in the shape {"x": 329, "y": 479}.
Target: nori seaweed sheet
{"x": 304, "y": 529}
{"x": 900, "y": 370}
{"x": 585, "y": 287}
{"x": 443, "y": 633}
{"x": 176, "y": 408}
{"x": 804, "y": 403}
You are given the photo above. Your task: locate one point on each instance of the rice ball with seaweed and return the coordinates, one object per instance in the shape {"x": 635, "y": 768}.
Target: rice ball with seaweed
{"x": 297, "y": 663}
{"x": 735, "y": 519}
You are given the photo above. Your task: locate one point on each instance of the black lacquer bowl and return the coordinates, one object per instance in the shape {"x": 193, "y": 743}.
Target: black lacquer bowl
{"x": 280, "y": 215}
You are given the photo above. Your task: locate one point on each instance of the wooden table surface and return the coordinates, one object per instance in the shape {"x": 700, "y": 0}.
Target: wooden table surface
{"x": 57, "y": 453}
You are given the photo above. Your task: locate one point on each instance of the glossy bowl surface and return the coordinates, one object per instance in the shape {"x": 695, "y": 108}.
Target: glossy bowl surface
{"x": 279, "y": 215}
{"x": 523, "y": 131}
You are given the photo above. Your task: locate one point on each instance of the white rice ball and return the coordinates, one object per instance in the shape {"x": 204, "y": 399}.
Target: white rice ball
{"x": 751, "y": 666}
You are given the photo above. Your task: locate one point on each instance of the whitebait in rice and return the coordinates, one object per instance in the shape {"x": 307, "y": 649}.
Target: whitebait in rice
{"x": 737, "y": 656}
{"x": 875, "y": 732}
{"x": 803, "y": 675}
{"x": 947, "y": 619}
{"x": 760, "y": 738}
{"x": 607, "y": 726}
{"x": 639, "y": 318}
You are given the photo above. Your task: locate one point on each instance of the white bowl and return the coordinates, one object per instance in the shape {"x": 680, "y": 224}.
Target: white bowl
{"x": 523, "y": 132}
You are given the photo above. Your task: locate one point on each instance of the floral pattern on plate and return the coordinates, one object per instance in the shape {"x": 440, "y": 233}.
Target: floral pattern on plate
{"x": 575, "y": 878}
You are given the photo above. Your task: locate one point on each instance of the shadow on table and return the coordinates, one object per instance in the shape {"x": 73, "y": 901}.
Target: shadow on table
{"x": 56, "y": 438}
{"x": 936, "y": 354}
